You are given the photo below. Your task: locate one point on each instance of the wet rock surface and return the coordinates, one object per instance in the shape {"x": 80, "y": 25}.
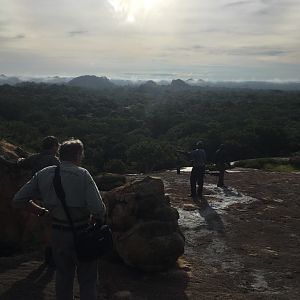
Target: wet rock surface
{"x": 242, "y": 244}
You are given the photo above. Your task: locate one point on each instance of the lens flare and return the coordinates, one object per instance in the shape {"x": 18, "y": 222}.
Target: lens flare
{"x": 132, "y": 10}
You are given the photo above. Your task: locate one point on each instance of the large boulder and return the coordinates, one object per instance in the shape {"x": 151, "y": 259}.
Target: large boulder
{"x": 109, "y": 181}
{"x": 145, "y": 226}
{"x": 13, "y": 224}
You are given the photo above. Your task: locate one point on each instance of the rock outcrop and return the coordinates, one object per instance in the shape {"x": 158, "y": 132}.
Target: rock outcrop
{"x": 12, "y": 223}
{"x": 109, "y": 181}
{"x": 145, "y": 226}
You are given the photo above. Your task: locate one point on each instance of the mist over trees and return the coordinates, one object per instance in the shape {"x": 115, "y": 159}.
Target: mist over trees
{"x": 140, "y": 128}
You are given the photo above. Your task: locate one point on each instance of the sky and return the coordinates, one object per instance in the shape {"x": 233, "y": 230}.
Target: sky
{"x": 154, "y": 39}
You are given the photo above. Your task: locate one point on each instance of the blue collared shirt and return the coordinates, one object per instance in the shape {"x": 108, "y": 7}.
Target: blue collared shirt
{"x": 82, "y": 195}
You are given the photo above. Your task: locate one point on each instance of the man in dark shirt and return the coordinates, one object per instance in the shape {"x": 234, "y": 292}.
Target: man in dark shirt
{"x": 221, "y": 161}
{"x": 45, "y": 158}
{"x": 36, "y": 162}
{"x": 198, "y": 159}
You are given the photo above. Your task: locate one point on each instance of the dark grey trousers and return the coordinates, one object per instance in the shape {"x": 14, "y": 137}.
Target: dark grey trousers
{"x": 66, "y": 265}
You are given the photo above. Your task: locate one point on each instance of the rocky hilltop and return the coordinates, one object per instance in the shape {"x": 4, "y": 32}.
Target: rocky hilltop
{"x": 145, "y": 226}
{"x": 242, "y": 244}
{"x": 12, "y": 229}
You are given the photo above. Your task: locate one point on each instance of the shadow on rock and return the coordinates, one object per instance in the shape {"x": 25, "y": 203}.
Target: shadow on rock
{"x": 211, "y": 217}
{"x": 119, "y": 278}
{"x": 30, "y": 287}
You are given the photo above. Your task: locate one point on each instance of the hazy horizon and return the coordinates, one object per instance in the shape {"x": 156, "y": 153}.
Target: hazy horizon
{"x": 221, "y": 40}
{"x": 157, "y": 77}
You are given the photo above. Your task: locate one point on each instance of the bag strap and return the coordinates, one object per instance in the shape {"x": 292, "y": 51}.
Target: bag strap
{"x": 62, "y": 197}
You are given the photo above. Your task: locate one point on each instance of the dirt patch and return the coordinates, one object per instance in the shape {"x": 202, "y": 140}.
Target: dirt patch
{"x": 243, "y": 243}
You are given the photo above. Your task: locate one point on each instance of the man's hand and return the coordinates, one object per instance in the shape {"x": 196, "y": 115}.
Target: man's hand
{"x": 96, "y": 221}
{"x": 36, "y": 209}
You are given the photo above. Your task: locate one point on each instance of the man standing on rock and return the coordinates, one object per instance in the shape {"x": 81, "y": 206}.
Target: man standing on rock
{"x": 83, "y": 201}
{"x": 36, "y": 162}
{"x": 47, "y": 156}
{"x": 198, "y": 159}
{"x": 221, "y": 161}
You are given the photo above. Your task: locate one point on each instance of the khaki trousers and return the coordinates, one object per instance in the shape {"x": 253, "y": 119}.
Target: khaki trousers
{"x": 66, "y": 265}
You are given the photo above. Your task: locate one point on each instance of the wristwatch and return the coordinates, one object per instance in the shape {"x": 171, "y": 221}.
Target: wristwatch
{"x": 42, "y": 212}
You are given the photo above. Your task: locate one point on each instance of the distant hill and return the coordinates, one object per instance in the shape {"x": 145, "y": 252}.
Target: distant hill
{"x": 149, "y": 86}
{"x": 179, "y": 84}
{"x": 98, "y": 83}
{"x": 9, "y": 80}
{"x": 91, "y": 82}
{"x": 195, "y": 82}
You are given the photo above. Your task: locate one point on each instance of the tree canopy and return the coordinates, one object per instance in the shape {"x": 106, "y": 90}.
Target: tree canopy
{"x": 140, "y": 129}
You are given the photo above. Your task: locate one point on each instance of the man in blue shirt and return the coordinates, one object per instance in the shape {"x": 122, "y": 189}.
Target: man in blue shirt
{"x": 83, "y": 201}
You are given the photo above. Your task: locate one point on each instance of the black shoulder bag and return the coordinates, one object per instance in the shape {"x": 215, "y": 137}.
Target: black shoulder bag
{"x": 90, "y": 243}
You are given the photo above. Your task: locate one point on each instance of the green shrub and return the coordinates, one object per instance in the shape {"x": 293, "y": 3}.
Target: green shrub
{"x": 115, "y": 166}
{"x": 295, "y": 161}
{"x": 270, "y": 164}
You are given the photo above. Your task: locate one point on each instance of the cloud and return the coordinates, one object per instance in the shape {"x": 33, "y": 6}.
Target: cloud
{"x": 77, "y": 32}
{"x": 257, "y": 51}
{"x": 166, "y": 34}
{"x": 236, "y": 3}
{"x": 234, "y": 51}
{"x": 19, "y": 36}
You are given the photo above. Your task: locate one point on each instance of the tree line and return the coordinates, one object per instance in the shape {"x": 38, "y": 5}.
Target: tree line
{"x": 139, "y": 129}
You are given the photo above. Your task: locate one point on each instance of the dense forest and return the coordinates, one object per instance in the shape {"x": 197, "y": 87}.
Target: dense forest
{"x": 140, "y": 128}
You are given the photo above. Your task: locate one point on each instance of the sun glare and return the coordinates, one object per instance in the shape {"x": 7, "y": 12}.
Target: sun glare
{"x": 132, "y": 10}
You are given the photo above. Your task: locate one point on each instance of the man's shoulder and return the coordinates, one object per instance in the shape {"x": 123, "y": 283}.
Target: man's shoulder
{"x": 82, "y": 170}
{"x": 46, "y": 155}
{"x": 73, "y": 168}
{"x": 46, "y": 170}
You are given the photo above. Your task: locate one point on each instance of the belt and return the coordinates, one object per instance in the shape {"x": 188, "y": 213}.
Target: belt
{"x": 68, "y": 228}
{"x": 85, "y": 220}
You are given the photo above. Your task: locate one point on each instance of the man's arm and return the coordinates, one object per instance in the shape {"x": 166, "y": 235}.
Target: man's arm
{"x": 26, "y": 163}
{"x": 94, "y": 200}
{"x": 23, "y": 197}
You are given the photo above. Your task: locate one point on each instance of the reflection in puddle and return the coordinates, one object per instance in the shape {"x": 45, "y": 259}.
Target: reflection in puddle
{"x": 189, "y": 169}
{"x": 222, "y": 198}
{"x": 259, "y": 283}
{"x": 218, "y": 200}
{"x": 186, "y": 169}
{"x": 190, "y": 219}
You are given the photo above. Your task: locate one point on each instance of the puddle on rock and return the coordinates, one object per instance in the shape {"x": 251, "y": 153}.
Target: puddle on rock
{"x": 222, "y": 198}
{"x": 190, "y": 219}
{"x": 259, "y": 283}
{"x": 219, "y": 199}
